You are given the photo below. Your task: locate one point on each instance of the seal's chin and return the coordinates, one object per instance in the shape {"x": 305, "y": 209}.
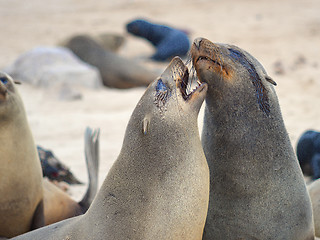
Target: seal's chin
{"x": 187, "y": 87}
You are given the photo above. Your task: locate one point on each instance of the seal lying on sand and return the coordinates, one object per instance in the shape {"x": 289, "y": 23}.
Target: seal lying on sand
{"x": 257, "y": 190}
{"x": 158, "y": 188}
{"x": 308, "y": 153}
{"x": 116, "y": 71}
{"x": 54, "y": 169}
{"x": 21, "y": 201}
{"x": 169, "y": 42}
{"x": 314, "y": 192}
{"x": 57, "y": 204}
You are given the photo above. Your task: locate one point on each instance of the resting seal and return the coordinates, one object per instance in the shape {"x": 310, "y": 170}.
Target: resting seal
{"x": 308, "y": 153}
{"x": 314, "y": 192}
{"x": 257, "y": 190}
{"x": 158, "y": 186}
{"x": 21, "y": 201}
{"x": 57, "y": 204}
{"x": 53, "y": 169}
{"x": 169, "y": 42}
{"x": 116, "y": 71}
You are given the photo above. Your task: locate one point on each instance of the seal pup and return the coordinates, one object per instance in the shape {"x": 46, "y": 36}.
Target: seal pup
{"x": 116, "y": 71}
{"x": 58, "y": 205}
{"x": 168, "y": 41}
{"x": 257, "y": 190}
{"x": 21, "y": 201}
{"x": 158, "y": 188}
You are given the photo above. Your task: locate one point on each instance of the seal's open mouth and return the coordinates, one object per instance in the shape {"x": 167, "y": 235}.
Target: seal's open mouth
{"x": 187, "y": 87}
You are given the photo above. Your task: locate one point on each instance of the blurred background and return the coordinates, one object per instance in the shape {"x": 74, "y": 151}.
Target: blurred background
{"x": 283, "y": 35}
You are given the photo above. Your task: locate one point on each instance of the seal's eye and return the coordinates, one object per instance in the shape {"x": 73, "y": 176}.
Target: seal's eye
{"x": 162, "y": 93}
{"x": 4, "y": 80}
{"x": 161, "y": 86}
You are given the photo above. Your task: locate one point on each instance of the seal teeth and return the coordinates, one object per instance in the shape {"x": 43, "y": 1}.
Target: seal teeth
{"x": 184, "y": 82}
{"x": 194, "y": 85}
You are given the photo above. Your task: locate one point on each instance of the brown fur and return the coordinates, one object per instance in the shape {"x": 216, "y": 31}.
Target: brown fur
{"x": 58, "y": 204}
{"x": 20, "y": 171}
{"x": 26, "y": 202}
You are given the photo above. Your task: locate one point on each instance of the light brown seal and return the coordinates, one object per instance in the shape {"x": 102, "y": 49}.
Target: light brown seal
{"x": 257, "y": 190}
{"x": 58, "y": 205}
{"x": 25, "y": 202}
{"x": 21, "y": 201}
{"x": 158, "y": 187}
{"x": 116, "y": 71}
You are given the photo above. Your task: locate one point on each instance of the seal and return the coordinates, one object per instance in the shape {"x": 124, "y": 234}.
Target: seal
{"x": 21, "y": 202}
{"x": 109, "y": 41}
{"x": 308, "y": 153}
{"x": 57, "y": 204}
{"x": 314, "y": 192}
{"x": 158, "y": 188}
{"x": 257, "y": 190}
{"x": 116, "y": 71}
{"x": 54, "y": 169}
{"x": 169, "y": 42}
{"x": 25, "y": 201}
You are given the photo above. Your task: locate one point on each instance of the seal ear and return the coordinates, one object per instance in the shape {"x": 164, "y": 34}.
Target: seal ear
{"x": 270, "y": 80}
{"x": 146, "y": 125}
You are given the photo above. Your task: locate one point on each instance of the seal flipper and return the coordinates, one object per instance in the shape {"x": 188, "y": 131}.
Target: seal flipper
{"x": 92, "y": 160}
{"x": 38, "y": 217}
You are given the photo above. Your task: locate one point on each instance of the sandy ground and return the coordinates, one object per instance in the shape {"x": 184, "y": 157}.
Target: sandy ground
{"x": 278, "y": 33}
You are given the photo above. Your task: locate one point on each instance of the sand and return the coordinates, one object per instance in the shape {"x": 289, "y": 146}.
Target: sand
{"x": 282, "y": 35}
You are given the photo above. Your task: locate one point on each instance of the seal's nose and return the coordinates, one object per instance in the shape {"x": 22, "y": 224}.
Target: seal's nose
{"x": 197, "y": 42}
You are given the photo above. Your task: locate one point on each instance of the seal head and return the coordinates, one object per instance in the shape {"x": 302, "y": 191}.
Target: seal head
{"x": 222, "y": 64}
{"x": 6, "y": 91}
